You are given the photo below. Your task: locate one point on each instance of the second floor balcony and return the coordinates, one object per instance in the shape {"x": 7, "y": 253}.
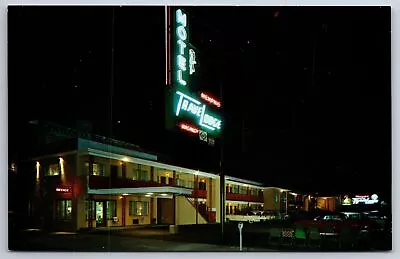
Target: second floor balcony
{"x": 244, "y": 197}
{"x": 102, "y": 182}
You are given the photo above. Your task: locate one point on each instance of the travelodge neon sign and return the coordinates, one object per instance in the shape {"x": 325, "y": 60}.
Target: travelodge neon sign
{"x": 193, "y": 111}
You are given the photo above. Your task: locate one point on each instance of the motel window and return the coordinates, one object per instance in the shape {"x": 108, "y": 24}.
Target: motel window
{"x": 163, "y": 179}
{"x": 138, "y": 208}
{"x": 202, "y": 185}
{"x": 111, "y": 209}
{"x": 53, "y": 169}
{"x": 99, "y": 169}
{"x": 139, "y": 173}
{"x": 190, "y": 184}
{"x": 180, "y": 182}
{"x": 242, "y": 190}
{"x": 235, "y": 189}
{"x": 254, "y": 192}
{"x": 64, "y": 209}
{"x": 90, "y": 209}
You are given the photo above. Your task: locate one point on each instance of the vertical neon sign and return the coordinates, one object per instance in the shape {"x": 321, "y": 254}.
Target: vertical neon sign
{"x": 181, "y": 74}
{"x": 181, "y": 34}
{"x": 185, "y": 57}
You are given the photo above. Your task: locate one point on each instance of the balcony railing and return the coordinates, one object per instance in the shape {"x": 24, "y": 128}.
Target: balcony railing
{"x": 199, "y": 194}
{"x": 101, "y": 182}
{"x": 244, "y": 197}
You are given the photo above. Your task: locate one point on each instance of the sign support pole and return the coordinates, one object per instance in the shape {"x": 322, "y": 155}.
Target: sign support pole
{"x": 222, "y": 179}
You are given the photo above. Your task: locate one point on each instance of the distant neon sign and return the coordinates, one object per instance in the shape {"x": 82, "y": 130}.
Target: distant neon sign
{"x": 189, "y": 128}
{"x": 64, "y": 189}
{"x": 197, "y": 109}
{"x": 210, "y": 100}
{"x": 365, "y": 199}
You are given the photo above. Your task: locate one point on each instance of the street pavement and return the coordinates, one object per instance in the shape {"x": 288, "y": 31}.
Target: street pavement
{"x": 77, "y": 242}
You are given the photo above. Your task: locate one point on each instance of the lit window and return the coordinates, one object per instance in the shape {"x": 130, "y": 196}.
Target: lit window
{"x": 242, "y": 190}
{"x": 98, "y": 169}
{"x": 111, "y": 209}
{"x": 190, "y": 184}
{"x": 138, "y": 208}
{"x": 180, "y": 182}
{"x": 64, "y": 209}
{"x": 53, "y": 170}
{"x": 139, "y": 173}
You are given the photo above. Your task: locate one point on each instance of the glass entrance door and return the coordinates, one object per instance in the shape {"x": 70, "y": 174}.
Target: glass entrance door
{"x": 100, "y": 214}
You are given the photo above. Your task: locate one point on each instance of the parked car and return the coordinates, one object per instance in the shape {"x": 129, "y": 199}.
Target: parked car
{"x": 249, "y": 217}
{"x": 338, "y": 221}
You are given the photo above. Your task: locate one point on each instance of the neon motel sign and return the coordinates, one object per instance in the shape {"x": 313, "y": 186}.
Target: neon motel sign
{"x": 210, "y": 99}
{"x": 183, "y": 64}
{"x": 198, "y": 110}
{"x": 185, "y": 104}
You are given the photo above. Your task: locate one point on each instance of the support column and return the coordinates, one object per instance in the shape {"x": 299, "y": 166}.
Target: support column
{"x": 174, "y": 210}
{"x": 123, "y": 211}
{"x": 196, "y": 197}
{"x": 174, "y": 178}
{"x": 123, "y": 168}
{"x": 91, "y": 162}
{"x": 210, "y": 203}
{"x": 92, "y": 208}
{"x": 151, "y": 210}
{"x": 152, "y": 174}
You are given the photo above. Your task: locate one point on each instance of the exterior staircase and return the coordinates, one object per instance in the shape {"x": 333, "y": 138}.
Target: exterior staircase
{"x": 202, "y": 210}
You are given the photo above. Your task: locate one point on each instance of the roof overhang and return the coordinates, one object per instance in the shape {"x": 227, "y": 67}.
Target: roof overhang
{"x": 280, "y": 189}
{"x": 130, "y": 159}
{"x": 244, "y": 182}
{"x": 61, "y": 154}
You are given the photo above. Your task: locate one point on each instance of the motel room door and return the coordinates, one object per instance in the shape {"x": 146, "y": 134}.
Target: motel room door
{"x": 101, "y": 216}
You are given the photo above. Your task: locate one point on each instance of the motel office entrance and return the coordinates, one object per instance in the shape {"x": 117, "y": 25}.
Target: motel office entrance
{"x": 101, "y": 213}
{"x": 165, "y": 211}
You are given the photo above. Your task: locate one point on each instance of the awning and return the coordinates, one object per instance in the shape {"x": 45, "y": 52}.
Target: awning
{"x": 168, "y": 190}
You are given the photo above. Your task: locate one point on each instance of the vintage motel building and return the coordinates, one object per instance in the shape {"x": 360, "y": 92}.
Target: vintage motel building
{"x": 87, "y": 184}
{"x": 242, "y": 195}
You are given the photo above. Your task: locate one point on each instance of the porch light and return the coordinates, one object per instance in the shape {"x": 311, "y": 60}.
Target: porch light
{"x": 163, "y": 194}
{"x": 62, "y": 168}
{"x": 124, "y": 194}
{"x": 149, "y": 193}
{"x": 37, "y": 170}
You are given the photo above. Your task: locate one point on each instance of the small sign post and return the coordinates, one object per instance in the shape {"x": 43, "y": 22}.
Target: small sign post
{"x": 240, "y": 227}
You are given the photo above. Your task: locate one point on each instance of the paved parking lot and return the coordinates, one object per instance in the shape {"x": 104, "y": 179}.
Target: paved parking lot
{"x": 78, "y": 242}
{"x": 189, "y": 238}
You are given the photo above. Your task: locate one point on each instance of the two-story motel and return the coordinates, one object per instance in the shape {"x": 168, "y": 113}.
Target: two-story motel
{"x": 83, "y": 183}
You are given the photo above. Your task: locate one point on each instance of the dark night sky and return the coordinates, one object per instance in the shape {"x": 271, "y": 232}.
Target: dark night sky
{"x": 308, "y": 86}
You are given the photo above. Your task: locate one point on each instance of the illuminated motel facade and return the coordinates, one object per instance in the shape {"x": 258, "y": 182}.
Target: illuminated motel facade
{"x": 99, "y": 185}
{"x": 88, "y": 184}
{"x": 85, "y": 184}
